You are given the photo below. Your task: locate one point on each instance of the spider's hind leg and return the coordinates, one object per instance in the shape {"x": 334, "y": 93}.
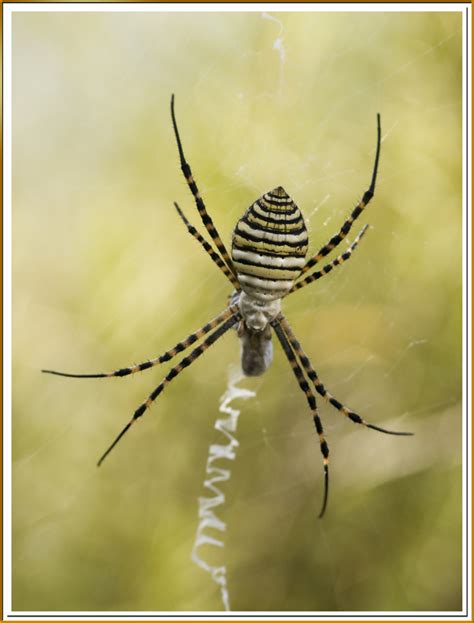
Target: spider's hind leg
{"x": 347, "y": 225}
{"x": 205, "y": 217}
{"x": 207, "y": 247}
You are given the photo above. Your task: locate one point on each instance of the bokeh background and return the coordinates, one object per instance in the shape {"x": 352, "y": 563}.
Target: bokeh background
{"x": 105, "y": 274}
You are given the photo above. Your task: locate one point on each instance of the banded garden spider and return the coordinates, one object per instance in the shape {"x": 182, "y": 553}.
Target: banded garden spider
{"x": 269, "y": 247}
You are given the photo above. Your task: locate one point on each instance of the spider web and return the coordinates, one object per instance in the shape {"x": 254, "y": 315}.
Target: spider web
{"x": 208, "y": 519}
{"x": 207, "y": 505}
{"x": 77, "y": 311}
{"x": 442, "y": 431}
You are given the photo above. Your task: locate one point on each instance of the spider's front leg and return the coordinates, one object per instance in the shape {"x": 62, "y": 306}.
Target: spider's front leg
{"x": 311, "y": 399}
{"x": 167, "y": 356}
{"x": 173, "y": 373}
{"x": 319, "y": 387}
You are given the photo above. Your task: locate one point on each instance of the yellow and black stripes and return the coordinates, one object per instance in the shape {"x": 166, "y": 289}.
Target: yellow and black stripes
{"x": 206, "y": 219}
{"x": 269, "y": 245}
{"x": 311, "y": 399}
{"x": 326, "y": 269}
{"x": 184, "y": 363}
{"x": 319, "y": 387}
{"x": 167, "y": 356}
{"x": 209, "y": 250}
{"x": 345, "y": 229}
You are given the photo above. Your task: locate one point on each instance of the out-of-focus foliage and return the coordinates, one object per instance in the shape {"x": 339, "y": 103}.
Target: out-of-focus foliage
{"x": 105, "y": 274}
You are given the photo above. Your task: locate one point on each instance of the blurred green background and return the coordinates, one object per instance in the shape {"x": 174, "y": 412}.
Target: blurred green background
{"x": 106, "y": 275}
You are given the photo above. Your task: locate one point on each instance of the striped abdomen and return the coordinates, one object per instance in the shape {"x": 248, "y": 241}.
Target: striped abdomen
{"x": 269, "y": 246}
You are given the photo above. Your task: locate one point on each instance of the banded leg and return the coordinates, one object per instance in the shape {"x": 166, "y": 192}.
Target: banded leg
{"x": 327, "y": 269}
{"x": 184, "y": 363}
{"x": 169, "y": 354}
{"x": 319, "y": 387}
{"x": 207, "y": 247}
{"x": 311, "y": 398}
{"x": 345, "y": 229}
{"x": 206, "y": 219}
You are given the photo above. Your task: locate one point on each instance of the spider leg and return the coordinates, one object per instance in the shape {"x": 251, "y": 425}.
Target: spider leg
{"x": 345, "y": 229}
{"x": 169, "y": 354}
{"x": 206, "y": 219}
{"x": 209, "y": 250}
{"x": 311, "y": 398}
{"x": 326, "y": 269}
{"x": 184, "y": 363}
{"x": 319, "y": 387}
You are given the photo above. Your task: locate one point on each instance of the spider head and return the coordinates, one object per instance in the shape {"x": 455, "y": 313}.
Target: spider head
{"x": 258, "y": 314}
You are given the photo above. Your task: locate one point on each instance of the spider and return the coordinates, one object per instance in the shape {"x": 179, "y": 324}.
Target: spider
{"x": 269, "y": 247}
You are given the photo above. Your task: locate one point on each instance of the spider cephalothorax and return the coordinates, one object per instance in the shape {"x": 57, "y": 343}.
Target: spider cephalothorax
{"x": 269, "y": 247}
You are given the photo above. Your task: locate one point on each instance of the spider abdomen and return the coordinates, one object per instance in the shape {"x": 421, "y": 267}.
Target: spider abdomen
{"x": 269, "y": 246}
